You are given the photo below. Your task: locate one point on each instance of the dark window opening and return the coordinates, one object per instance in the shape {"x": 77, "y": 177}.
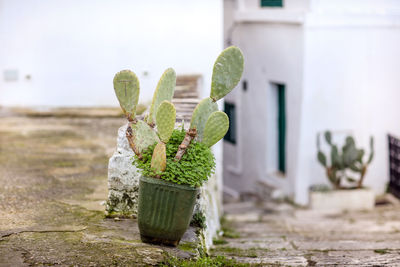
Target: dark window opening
{"x": 229, "y": 109}
{"x": 271, "y": 3}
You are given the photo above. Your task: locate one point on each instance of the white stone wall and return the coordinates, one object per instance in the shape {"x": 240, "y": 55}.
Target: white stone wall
{"x": 123, "y": 179}
{"x": 72, "y": 49}
{"x": 209, "y": 204}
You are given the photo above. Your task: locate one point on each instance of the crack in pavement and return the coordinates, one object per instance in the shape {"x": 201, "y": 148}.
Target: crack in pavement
{"x": 33, "y": 230}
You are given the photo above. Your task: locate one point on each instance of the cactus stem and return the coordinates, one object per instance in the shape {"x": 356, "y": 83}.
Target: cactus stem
{"x": 363, "y": 171}
{"x": 190, "y": 135}
{"x": 130, "y": 138}
{"x": 130, "y": 119}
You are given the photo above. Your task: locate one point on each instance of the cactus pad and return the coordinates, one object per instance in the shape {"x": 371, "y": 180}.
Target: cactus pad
{"x": 165, "y": 120}
{"x": 159, "y": 158}
{"x": 164, "y": 91}
{"x": 143, "y": 135}
{"x": 200, "y": 115}
{"x": 126, "y": 87}
{"x": 228, "y": 69}
{"x": 216, "y": 127}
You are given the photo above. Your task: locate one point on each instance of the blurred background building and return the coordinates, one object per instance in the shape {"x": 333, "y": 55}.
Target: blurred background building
{"x": 311, "y": 65}
{"x": 65, "y": 53}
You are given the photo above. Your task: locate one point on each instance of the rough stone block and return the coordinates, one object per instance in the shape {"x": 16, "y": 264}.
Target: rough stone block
{"x": 123, "y": 180}
{"x": 342, "y": 200}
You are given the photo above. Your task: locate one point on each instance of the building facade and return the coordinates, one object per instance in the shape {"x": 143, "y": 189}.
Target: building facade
{"x": 66, "y": 53}
{"x": 310, "y": 65}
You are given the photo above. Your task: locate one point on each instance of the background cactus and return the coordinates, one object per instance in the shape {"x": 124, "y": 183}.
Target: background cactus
{"x": 126, "y": 87}
{"x": 345, "y": 162}
{"x": 164, "y": 91}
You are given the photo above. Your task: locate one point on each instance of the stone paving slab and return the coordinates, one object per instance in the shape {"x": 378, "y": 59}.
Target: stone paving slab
{"x": 355, "y": 258}
{"x": 298, "y": 237}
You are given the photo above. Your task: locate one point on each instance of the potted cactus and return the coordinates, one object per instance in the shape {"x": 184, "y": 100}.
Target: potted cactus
{"x": 345, "y": 171}
{"x": 174, "y": 163}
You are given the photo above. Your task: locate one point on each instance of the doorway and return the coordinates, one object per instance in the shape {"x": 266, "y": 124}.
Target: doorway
{"x": 276, "y": 129}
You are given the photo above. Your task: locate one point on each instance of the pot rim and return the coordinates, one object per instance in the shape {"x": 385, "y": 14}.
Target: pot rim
{"x": 159, "y": 181}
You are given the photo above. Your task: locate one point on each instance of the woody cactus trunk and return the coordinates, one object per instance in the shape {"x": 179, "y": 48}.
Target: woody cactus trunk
{"x": 345, "y": 162}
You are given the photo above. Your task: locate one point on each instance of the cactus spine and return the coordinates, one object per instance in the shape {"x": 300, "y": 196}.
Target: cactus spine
{"x": 343, "y": 162}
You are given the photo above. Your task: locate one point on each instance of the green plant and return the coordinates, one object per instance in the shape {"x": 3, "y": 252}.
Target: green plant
{"x": 199, "y": 220}
{"x": 217, "y": 241}
{"x": 218, "y": 261}
{"x": 193, "y": 169}
{"x": 345, "y": 161}
{"x": 183, "y": 162}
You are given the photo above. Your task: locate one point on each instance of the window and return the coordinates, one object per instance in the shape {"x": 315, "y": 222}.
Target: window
{"x": 230, "y": 111}
{"x": 271, "y": 3}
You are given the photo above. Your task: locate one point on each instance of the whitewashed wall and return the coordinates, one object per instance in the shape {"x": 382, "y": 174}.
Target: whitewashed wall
{"x": 339, "y": 61}
{"x": 272, "y": 54}
{"x": 351, "y": 85}
{"x": 72, "y": 49}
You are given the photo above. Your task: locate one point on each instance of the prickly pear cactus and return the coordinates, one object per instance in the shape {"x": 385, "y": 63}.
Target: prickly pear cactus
{"x": 164, "y": 91}
{"x": 344, "y": 160}
{"x": 200, "y": 115}
{"x": 126, "y": 87}
{"x": 216, "y": 127}
{"x": 228, "y": 69}
{"x": 165, "y": 120}
{"x": 143, "y": 135}
{"x": 159, "y": 158}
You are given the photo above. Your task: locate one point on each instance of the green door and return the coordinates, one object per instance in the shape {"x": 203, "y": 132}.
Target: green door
{"x": 281, "y": 128}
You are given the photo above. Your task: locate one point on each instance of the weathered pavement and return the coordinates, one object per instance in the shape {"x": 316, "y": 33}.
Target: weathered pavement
{"x": 53, "y": 178}
{"x": 282, "y": 235}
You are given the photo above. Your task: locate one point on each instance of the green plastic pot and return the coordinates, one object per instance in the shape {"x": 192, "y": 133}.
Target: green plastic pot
{"x": 165, "y": 210}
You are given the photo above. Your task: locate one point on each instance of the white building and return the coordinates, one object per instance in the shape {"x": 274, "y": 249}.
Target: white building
{"x": 65, "y": 53}
{"x": 310, "y": 65}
